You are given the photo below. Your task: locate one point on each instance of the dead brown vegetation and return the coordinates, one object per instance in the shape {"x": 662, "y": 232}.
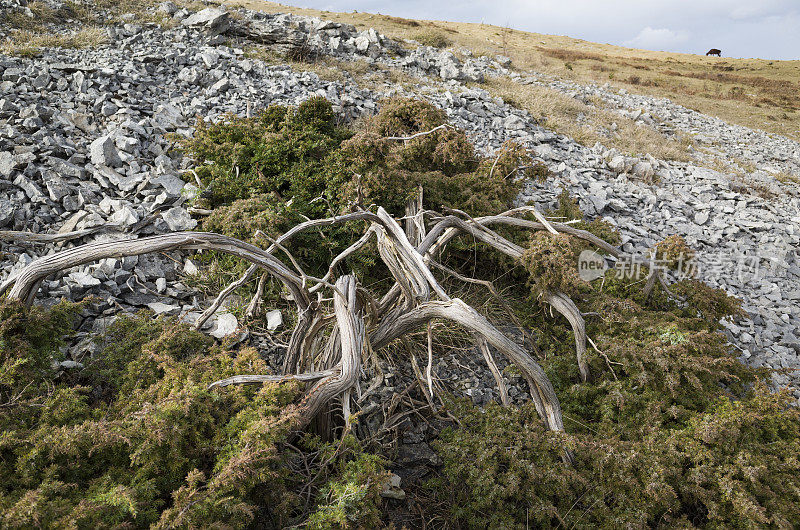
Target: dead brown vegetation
{"x": 584, "y": 61}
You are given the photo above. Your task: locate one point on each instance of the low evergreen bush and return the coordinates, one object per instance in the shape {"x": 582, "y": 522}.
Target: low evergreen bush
{"x": 670, "y": 430}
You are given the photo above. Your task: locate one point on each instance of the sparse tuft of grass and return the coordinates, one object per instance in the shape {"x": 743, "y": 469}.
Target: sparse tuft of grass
{"x": 28, "y": 44}
{"x": 357, "y": 71}
{"x": 588, "y": 124}
{"x": 403, "y": 21}
{"x": 44, "y": 15}
{"x": 786, "y": 178}
{"x": 433, "y": 38}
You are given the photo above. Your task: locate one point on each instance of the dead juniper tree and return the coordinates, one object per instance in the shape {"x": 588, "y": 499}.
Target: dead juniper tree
{"x": 339, "y": 322}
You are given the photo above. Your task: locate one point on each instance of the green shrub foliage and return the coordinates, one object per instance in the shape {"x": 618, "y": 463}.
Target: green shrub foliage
{"x": 136, "y": 439}
{"x": 292, "y": 157}
{"x": 733, "y": 466}
{"x": 286, "y": 165}
{"x": 671, "y": 430}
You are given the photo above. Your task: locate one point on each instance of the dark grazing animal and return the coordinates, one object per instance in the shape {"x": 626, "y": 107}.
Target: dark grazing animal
{"x": 714, "y": 51}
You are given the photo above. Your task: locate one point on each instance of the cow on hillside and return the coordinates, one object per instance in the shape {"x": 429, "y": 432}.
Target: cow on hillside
{"x": 714, "y": 51}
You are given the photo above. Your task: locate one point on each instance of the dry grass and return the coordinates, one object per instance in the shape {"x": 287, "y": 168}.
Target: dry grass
{"x": 44, "y": 15}
{"x": 30, "y": 34}
{"x": 752, "y": 92}
{"x": 360, "y": 72}
{"x": 331, "y": 69}
{"x": 327, "y": 68}
{"x": 741, "y": 171}
{"x": 430, "y": 37}
{"x": 786, "y": 178}
{"x": 588, "y": 124}
{"x": 144, "y": 10}
{"x": 27, "y": 44}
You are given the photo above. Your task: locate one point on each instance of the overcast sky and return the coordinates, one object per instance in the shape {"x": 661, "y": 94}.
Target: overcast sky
{"x": 768, "y": 29}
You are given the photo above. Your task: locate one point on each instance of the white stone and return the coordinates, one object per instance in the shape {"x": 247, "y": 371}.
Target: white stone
{"x": 212, "y": 18}
{"x": 7, "y": 164}
{"x": 617, "y": 163}
{"x": 125, "y": 216}
{"x": 449, "y": 71}
{"x": 84, "y": 279}
{"x": 178, "y": 219}
{"x": 362, "y": 43}
{"x": 274, "y": 319}
{"x": 163, "y": 309}
{"x": 70, "y": 364}
{"x": 190, "y": 268}
{"x": 226, "y": 324}
{"x": 514, "y": 123}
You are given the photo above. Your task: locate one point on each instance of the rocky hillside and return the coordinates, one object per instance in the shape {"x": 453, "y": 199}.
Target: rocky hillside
{"x": 116, "y": 119}
{"x": 86, "y": 153}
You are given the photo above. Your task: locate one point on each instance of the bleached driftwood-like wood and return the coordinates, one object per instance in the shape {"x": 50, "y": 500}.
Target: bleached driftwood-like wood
{"x": 257, "y": 378}
{"x": 220, "y": 299}
{"x": 542, "y": 392}
{"x": 33, "y": 237}
{"x": 351, "y": 328}
{"x": 357, "y": 322}
{"x": 423, "y": 133}
{"x": 24, "y": 285}
{"x": 249, "y": 273}
{"x": 498, "y": 377}
{"x": 564, "y": 305}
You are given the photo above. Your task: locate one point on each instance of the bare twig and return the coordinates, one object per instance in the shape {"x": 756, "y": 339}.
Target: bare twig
{"x": 498, "y": 377}
{"x": 417, "y": 135}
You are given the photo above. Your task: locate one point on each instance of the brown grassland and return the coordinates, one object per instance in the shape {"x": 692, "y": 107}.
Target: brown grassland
{"x": 757, "y": 93}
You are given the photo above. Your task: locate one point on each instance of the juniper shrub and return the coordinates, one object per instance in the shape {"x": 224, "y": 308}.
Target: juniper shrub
{"x": 138, "y": 439}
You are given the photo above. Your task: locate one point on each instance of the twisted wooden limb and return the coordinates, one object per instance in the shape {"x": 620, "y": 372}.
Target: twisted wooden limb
{"x": 336, "y": 381}
{"x": 559, "y": 301}
{"x": 414, "y": 225}
{"x": 33, "y": 237}
{"x": 252, "y": 307}
{"x": 493, "y": 291}
{"x": 542, "y": 392}
{"x": 498, "y": 377}
{"x": 23, "y": 286}
{"x": 424, "y": 133}
{"x": 655, "y": 274}
{"x": 451, "y": 226}
{"x": 350, "y": 324}
{"x": 258, "y": 379}
{"x": 404, "y": 261}
{"x": 307, "y": 225}
{"x": 564, "y": 305}
{"x": 223, "y": 295}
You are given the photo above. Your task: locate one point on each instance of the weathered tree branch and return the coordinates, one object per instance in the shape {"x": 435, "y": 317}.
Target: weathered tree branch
{"x": 334, "y": 360}
{"x": 542, "y": 392}
{"x": 564, "y": 305}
